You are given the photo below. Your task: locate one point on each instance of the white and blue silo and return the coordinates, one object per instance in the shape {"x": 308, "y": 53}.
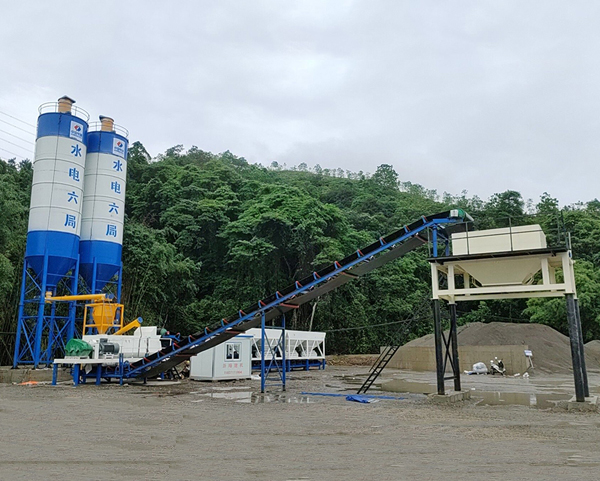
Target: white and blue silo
{"x": 52, "y": 251}
{"x": 104, "y": 207}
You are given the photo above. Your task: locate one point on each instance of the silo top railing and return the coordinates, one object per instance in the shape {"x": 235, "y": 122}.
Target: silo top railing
{"x": 97, "y": 127}
{"x": 50, "y": 107}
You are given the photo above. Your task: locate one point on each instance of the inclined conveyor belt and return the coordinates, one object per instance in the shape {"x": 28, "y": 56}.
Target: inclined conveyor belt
{"x": 318, "y": 283}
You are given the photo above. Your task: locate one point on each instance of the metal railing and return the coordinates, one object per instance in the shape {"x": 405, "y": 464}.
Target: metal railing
{"x": 97, "y": 126}
{"x": 50, "y": 107}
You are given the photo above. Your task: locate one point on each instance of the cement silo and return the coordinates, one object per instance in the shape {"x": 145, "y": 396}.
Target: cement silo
{"x": 52, "y": 251}
{"x": 104, "y": 207}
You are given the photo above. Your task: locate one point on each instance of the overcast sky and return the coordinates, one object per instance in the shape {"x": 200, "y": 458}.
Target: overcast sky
{"x": 482, "y": 96}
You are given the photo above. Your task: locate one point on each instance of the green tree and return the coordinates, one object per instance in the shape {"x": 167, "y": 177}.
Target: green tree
{"x": 386, "y": 176}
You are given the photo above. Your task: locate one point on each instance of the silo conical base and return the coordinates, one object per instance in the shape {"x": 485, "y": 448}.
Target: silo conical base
{"x": 98, "y": 267}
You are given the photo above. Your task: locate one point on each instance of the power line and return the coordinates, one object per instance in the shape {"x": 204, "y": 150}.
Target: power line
{"x": 404, "y": 321}
{"x": 17, "y": 145}
{"x": 19, "y": 128}
{"x": 19, "y": 120}
{"x": 17, "y": 137}
{"x": 12, "y": 153}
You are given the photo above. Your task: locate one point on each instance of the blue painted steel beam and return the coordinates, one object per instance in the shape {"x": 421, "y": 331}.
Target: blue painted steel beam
{"x": 40, "y": 334}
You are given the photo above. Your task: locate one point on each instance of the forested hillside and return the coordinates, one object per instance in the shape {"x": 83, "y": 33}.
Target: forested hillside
{"x": 207, "y": 234}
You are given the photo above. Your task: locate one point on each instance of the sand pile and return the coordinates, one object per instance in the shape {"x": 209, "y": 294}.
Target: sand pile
{"x": 551, "y": 349}
{"x": 592, "y": 354}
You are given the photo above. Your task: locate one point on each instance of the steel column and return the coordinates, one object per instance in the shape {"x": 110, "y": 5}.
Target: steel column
{"x": 94, "y": 274}
{"x": 283, "y": 349}
{"x": 586, "y": 389}
{"x": 576, "y": 349}
{"x": 263, "y": 369}
{"x": 76, "y": 374}
{"x": 454, "y": 337}
{"x": 20, "y": 328}
{"x": 439, "y": 355}
{"x": 119, "y": 284}
{"x": 39, "y": 328}
{"x": 52, "y": 326}
{"x": 73, "y": 305}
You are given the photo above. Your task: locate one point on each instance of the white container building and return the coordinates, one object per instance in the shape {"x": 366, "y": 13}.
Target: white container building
{"x": 225, "y": 362}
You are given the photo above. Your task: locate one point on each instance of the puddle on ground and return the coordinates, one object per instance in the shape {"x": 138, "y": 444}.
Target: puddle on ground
{"x": 348, "y": 377}
{"x": 357, "y": 380}
{"x": 484, "y": 398}
{"x": 541, "y": 401}
{"x": 402, "y": 385}
{"x": 257, "y": 398}
{"x": 149, "y": 393}
{"x": 243, "y": 396}
{"x": 227, "y": 388}
{"x": 280, "y": 398}
{"x": 155, "y": 382}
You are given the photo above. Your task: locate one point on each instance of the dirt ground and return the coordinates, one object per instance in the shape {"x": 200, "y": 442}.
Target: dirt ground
{"x": 228, "y": 431}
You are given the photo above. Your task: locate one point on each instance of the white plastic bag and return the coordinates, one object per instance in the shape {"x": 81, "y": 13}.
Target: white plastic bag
{"x": 480, "y": 368}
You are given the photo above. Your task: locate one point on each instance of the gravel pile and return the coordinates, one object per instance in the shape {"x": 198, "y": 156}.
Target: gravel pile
{"x": 551, "y": 349}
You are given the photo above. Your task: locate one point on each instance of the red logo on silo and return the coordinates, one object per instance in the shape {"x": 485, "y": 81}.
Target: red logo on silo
{"x": 76, "y": 131}
{"x": 119, "y": 144}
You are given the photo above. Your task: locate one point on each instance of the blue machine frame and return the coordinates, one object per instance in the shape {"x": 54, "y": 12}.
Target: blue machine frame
{"x": 275, "y": 366}
{"x": 296, "y": 364}
{"x": 109, "y": 285}
{"x": 41, "y": 332}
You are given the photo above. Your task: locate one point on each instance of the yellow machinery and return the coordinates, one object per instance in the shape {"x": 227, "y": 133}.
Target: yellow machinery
{"x": 104, "y": 314}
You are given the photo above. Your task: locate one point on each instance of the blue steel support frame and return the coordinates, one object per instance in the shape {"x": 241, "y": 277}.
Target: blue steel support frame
{"x": 436, "y": 235}
{"x": 39, "y": 327}
{"x": 92, "y": 288}
{"x": 52, "y": 331}
{"x": 138, "y": 370}
{"x": 120, "y": 284}
{"x": 73, "y": 305}
{"x": 274, "y": 365}
{"x": 110, "y": 286}
{"x": 39, "y": 336}
{"x": 283, "y": 352}
{"x": 21, "y": 321}
{"x": 263, "y": 362}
